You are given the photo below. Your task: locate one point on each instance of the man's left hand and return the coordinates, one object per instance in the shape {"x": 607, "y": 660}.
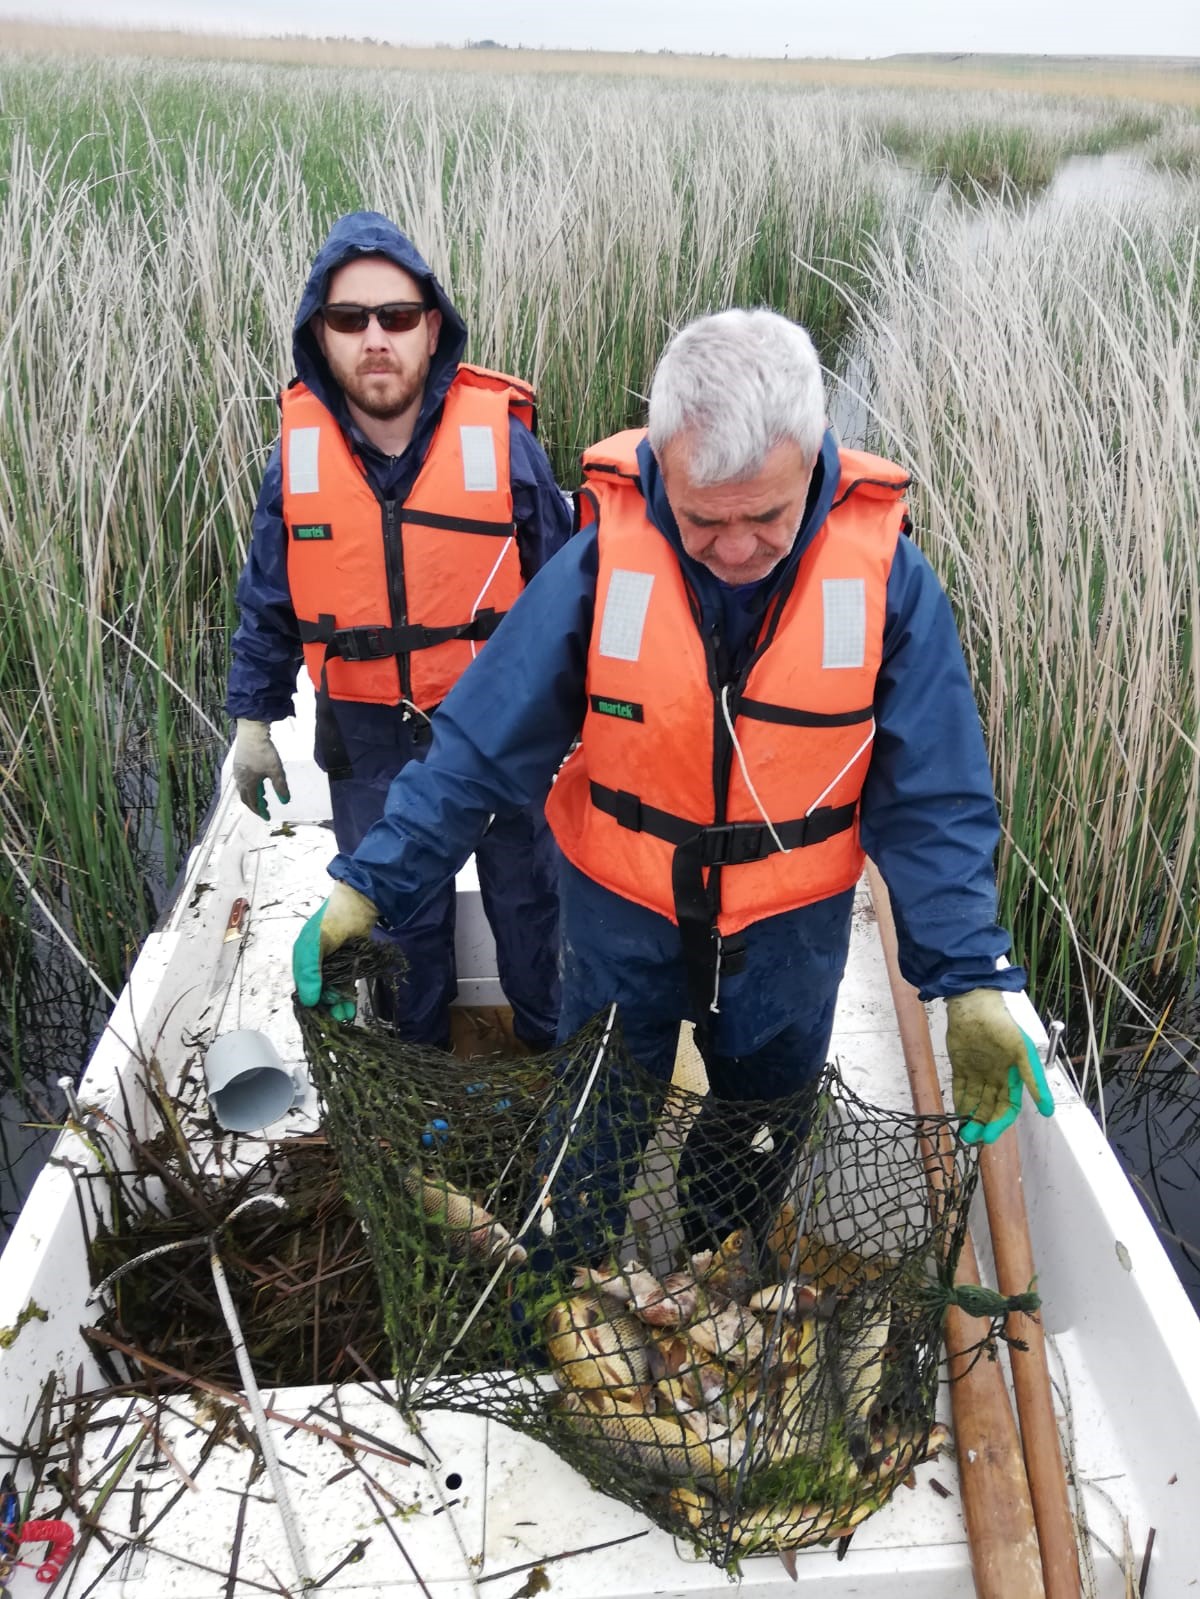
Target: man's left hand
{"x": 991, "y": 1058}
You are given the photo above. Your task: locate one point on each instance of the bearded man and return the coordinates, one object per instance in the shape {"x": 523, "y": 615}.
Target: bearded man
{"x": 402, "y": 511}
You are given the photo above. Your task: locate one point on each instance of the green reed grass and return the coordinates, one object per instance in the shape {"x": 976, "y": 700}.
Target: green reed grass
{"x": 995, "y": 142}
{"x": 1041, "y": 377}
{"x": 156, "y": 225}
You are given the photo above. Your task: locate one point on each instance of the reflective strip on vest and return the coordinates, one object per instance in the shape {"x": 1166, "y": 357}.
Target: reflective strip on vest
{"x": 803, "y": 717}
{"x": 624, "y": 615}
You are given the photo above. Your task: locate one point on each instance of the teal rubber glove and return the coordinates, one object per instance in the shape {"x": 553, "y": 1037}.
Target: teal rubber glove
{"x": 992, "y": 1059}
{"x": 345, "y": 915}
{"x": 255, "y": 759}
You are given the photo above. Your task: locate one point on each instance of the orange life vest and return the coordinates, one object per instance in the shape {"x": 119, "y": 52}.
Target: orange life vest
{"x": 394, "y": 599}
{"x": 656, "y": 802}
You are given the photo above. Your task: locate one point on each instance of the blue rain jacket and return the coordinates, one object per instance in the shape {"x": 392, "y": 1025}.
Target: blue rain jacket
{"x": 517, "y": 859}
{"x": 266, "y": 645}
{"x": 928, "y": 815}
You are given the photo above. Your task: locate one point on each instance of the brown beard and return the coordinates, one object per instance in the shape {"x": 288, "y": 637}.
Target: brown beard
{"x": 384, "y": 410}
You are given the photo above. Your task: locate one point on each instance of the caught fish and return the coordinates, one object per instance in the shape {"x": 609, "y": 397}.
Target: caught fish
{"x": 667, "y": 1354}
{"x": 826, "y": 1265}
{"x": 592, "y": 1348}
{"x": 858, "y": 1370}
{"x": 694, "y": 1508}
{"x": 684, "y": 1289}
{"x": 472, "y": 1231}
{"x": 795, "y": 1345}
{"x": 795, "y": 1300}
{"x": 778, "y": 1527}
{"x": 648, "y": 1298}
{"x": 773, "y": 1527}
{"x": 656, "y": 1444}
{"x": 670, "y": 1356}
{"x": 710, "y": 1420}
{"x": 730, "y": 1270}
{"x": 796, "y": 1416}
{"x": 727, "y": 1331}
{"x": 895, "y": 1450}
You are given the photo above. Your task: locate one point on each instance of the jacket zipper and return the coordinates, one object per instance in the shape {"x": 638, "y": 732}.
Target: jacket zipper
{"x": 393, "y": 556}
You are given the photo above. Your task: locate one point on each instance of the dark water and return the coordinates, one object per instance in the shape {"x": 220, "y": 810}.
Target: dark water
{"x": 51, "y": 1023}
{"x": 1153, "y": 1118}
{"x": 53, "y": 1012}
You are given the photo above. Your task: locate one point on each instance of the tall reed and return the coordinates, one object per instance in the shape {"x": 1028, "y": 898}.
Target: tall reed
{"x": 1040, "y": 376}
{"x": 157, "y": 222}
{"x": 157, "y": 225}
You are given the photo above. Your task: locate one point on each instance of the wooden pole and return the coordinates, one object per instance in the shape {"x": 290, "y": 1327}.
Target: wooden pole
{"x": 997, "y": 1509}
{"x": 1000, "y": 1164}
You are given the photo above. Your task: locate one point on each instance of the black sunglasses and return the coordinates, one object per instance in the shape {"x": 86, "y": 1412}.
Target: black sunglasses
{"x": 397, "y": 316}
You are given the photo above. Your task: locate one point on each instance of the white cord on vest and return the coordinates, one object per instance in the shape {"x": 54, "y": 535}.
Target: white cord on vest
{"x": 779, "y": 845}
{"x": 417, "y": 711}
{"x": 864, "y": 745}
{"x": 487, "y": 585}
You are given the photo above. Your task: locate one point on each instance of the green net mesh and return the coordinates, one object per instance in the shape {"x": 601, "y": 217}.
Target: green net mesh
{"x": 726, "y": 1313}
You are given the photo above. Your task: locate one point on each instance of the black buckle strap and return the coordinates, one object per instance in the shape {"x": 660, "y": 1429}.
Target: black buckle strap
{"x": 697, "y": 903}
{"x": 723, "y": 843}
{"x": 734, "y": 843}
{"x": 362, "y": 643}
{"x": 377, "y": 643}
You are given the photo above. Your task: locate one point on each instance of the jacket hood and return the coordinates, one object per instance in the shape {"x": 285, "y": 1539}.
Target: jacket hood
{"x": 368, "y": 233}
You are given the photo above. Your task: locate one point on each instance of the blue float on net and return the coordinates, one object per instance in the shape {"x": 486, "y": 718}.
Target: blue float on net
{"x": 436, "y": 1132}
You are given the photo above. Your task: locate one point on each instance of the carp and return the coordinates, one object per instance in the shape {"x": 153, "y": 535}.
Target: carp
{"x": 471, "y": 1231}
{"x": 654, "y": 1302}
{"x": 657, "y": 1444}
{"x": 858, "y": 1369}
{"x": 592, "y": 1348}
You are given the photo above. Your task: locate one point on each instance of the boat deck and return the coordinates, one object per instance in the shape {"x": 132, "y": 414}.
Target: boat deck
{"x": 478, "y": 1508}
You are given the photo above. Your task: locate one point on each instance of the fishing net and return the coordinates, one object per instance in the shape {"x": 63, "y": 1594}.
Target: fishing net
{"x": 726, "y": 1313}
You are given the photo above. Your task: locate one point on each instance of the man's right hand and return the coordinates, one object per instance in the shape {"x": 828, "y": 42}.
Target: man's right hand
{"x": 255, "y": 759}
{"x": 345, "y": 915}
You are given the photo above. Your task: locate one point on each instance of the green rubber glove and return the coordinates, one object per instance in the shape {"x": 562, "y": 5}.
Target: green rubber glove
{"x": 255, "y": 759}
{"x": 345, "y": 915}
{"x": 991, "y": 1057}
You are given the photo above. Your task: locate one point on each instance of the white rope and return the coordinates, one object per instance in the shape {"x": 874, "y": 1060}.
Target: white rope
{"x": 254, "y": 1399}
{"x": 503, "y": 552}
{"x": 578, "y": 1112}
{"x": 746, "y": 779}
{"x": 179, "y": 1243}
{"x": 866, "y": 743}
{"x": 417, "y": 711}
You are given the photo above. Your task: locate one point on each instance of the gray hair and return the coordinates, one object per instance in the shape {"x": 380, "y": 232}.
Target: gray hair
{"x": 739, "y": 383}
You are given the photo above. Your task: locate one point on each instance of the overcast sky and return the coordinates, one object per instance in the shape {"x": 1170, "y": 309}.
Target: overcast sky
{"x": 735, "y": 27}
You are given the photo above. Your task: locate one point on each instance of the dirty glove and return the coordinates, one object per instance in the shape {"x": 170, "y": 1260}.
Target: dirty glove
{"x": 345, "y": 915}
{"x": 991, "y": 1058}
{"x": 255, "y": 759}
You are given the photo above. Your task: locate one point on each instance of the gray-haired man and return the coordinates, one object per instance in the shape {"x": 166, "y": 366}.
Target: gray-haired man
{"x": 765, "y": 678}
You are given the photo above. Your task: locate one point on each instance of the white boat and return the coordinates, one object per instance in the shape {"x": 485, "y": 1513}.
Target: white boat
{"x": 486, "y": 1510}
